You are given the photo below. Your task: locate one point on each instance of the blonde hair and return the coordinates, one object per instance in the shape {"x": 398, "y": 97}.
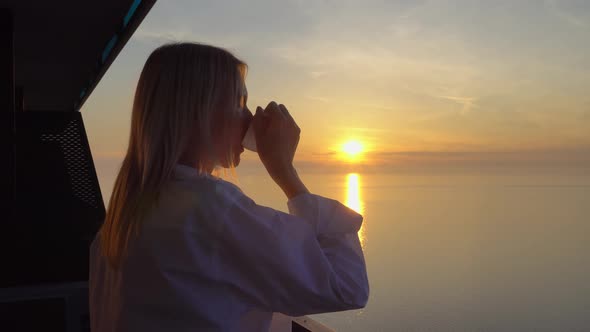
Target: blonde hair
{"x": 181, "y": 88}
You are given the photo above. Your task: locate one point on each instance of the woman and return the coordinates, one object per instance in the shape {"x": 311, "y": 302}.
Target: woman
{"x": 183, "y": 250}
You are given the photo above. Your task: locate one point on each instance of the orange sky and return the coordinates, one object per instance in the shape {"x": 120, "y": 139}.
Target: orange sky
{"x": 413, "y": 82}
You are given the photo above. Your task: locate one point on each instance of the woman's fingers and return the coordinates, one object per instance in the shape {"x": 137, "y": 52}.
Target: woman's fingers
{"x": 285, "y": 112}
{"x": 277, "y": 138}
{"x": 273, "y": 110}
{"x": 288, "y": 116}
{"x": 276, "y": 116}
{"x": 258, "y": 121}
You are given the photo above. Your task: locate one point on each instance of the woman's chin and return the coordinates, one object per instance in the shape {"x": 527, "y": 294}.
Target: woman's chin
{"x": 237, "y": 157}
{"x": 227, "y": 164}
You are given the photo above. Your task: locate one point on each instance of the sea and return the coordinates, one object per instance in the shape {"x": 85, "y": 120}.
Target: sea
{"x": 468, "y": 250}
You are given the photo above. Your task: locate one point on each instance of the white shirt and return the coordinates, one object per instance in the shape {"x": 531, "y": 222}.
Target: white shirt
{"x": 208, "y": 258}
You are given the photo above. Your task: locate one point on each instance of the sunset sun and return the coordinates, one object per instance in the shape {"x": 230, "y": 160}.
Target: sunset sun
{"x": 352, "y": 149}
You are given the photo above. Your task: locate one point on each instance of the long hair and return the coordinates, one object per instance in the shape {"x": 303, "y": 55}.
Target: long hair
{"x": 181, "y": 89}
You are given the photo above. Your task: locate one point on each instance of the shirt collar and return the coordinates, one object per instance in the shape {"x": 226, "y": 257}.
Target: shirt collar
{"x": 186, "y": 172}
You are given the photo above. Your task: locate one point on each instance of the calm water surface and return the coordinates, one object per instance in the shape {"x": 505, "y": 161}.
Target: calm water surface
{"x": 460, "y": 252}
{"x": 464, "y": 252}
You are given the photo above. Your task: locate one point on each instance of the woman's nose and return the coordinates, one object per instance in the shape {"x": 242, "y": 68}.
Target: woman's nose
{"x": 247, "y": 110}
{"x": 247, "y": 115}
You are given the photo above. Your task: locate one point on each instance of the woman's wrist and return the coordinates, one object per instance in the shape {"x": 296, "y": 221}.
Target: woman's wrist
{"x": 291, "y": 184}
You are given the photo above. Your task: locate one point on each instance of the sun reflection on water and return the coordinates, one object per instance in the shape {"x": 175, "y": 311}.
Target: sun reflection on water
{"x": 354, "y": 201}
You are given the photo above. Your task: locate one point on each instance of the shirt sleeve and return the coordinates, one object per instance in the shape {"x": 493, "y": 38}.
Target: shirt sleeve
{"x": 309, "y": 261}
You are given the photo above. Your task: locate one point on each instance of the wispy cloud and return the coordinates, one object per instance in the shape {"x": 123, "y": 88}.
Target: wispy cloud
{"x": 426, "y": 74}
{"x": 572, "y": 158}
{"x": 362, "y": 130}
{"x": 577, "y": 17}
{"x": 317, "y": 74}
{"x": 166, "y": 35}
{"x": 319, "y": 98}
{"x": 467, "y": 103}
{"x": 162, "y": 36}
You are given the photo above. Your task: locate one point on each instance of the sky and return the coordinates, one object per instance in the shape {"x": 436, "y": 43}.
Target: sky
{"x": 416, "y": 83}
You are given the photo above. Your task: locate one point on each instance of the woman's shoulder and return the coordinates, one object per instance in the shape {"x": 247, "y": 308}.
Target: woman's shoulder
{"x": 191, "y": 194}
{"x": 211, "y": 185}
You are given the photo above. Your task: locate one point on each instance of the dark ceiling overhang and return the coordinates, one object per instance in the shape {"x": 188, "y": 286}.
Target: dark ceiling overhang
{"x": 63, "y": 48}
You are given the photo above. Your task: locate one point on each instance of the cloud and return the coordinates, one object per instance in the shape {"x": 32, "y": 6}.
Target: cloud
{"x": 575, "y": 157}
{"x": 160, "y": 36}
{"x": 329, "y": 153}
{"x": 575, "y": 13}
{"x": 415, "y": 69}
{"x": 467, "y": 103}
{"x": 374, "y": 106}
{"x": 317, "y": 74}
{"x": 156, "y": 36}
{"x": 362, "y": 130}
{"x": 563, "y": 161}
{"x": 319, "y": 98}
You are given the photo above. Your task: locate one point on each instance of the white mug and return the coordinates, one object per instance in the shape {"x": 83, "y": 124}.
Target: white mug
{"x": 249, "y": 141}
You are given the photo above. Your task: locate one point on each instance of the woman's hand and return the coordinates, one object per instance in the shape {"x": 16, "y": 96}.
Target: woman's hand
{"x": 277, "y": 137}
